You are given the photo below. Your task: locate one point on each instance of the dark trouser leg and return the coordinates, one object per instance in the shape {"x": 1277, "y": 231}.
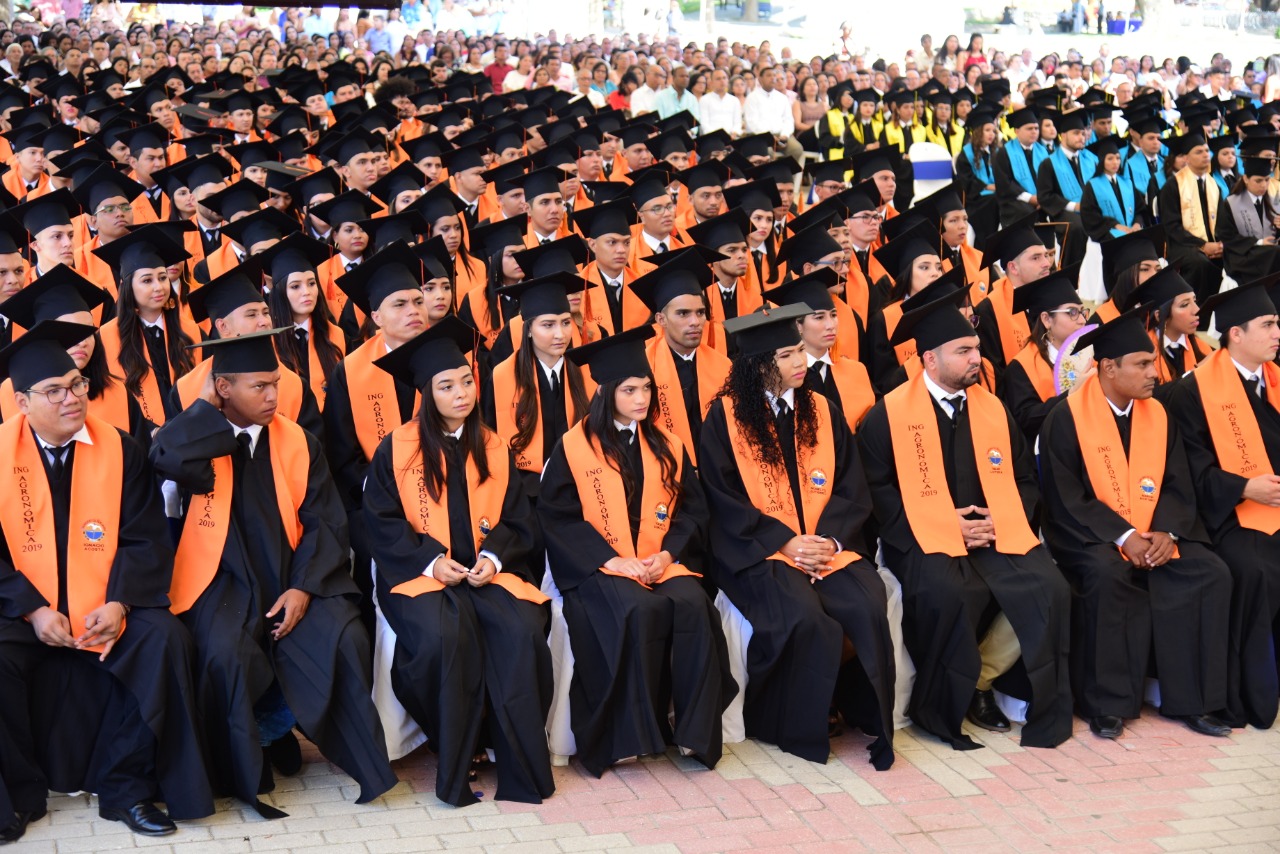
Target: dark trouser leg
{"x": 1111, "y": 640}
{"x": 1190, "y": 607}
{"x": 26, "y": 784}
{"x": 123, "y": 771}
{"x": 1253, "y": 681}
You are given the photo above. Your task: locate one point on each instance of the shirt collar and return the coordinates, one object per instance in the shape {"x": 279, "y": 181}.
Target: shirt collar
{"x": 825, "y": 358}
{"x": 630, "y": 428}
{"x": 1117, "y": 410}
{"x": 789, "y": 396}
{"x": 1181, "y": 342}
{"x": 557, "y": 368}
{"x": 457, "y": 434}
{"x": 938, "y": 392}
{"x": 652, "y": 242}
{"x": 305, "y": 324}
{"x": 149, "y": 325}
{"x": 679, "y": 355}
{"x": 254, "y": 431}
{"x": 81, "y": 435}
{"x": 1244, "y": 372}
{"x": 344, "y": 260}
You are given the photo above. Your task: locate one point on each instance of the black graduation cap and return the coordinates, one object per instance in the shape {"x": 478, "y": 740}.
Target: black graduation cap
{"x": 506, "y": 177}
{"x": 753, "y": 196}
{"x": 616, "y": 357}
{"x": 636, "y": 133}
{"x": 396, "y": 268}
{"x": 58, "y": 292}
{"x": 898, "y": 97}
{"x": 1046, "y": 100}
{"x": 105, "y": 183}
{"x": 831, "y": 170}
{"x": 428, "y": 145}
{"x": 1104, "y": 146}
{"x": 239, "y": 286}
{"x": 1073, "y": 120}
{"x": 345, "y": 111}
{"x": 491, "y": 238}
{"x": 192, "y": 172}
{"x": 436, "y": 263}
{"x": 56, "y": 208}
{"x": 964, "y": 93}
{"x": 351, "y": 206}
{"x": 868, "y": 163}
{"x": 1057, "y": 288}
{"x": 546, "y": 294}
{"x": 767, "y": 329}
{"x": 934, "y": 322}
{"x": 1129, "y": 250}
{"x": 290, "y": 120}
{"x": 901, "y": 251}
{"x": 1165, "y": 286}
{"x": 404, "y": 177}
{"x": 1010, "y": 242}
{"x": 280, "y": 176}
{"x": 1146, "y": 124}
{"x": 442, "y": 347}
{"x": 995, "y": 89}
{"x": 11, "y": 96}
{"x": 266, "y": 224}
{"x": 58, "y": 137}
{"x": 564, "y": 152}
{"x": 1254, "y": 146}
{"x": 901, "y": 224}
{"x": 807, "y": 247}
{"x": 235, "y": 100}
{"x": 1183, "y": 144}
{"x": 943, "y": 201}
{"x": 709, "y": 144}
{"x": 614, "y": 217}
{"x": 144, "y": 248}
{"x": 305, "y": 189}
{"x": 730, "y": 227}
{"x": 404, "y": 226}
{"x": 37, "y": 69}
{"x": 670, "y": 142}
{"x": 812, "y": 289}
{"x": 254, "y": 353}
{"x": 295, "y": 253}
{"x": 1218, "y": 143}
{"x": 1119, "y": 336}
{"x": 41, "y": 353}
{"x": 828, "y": 213}
{"x": 1256, "y": 167}
{"x": 151, "y": 135}
{"x": 438, "y": 202}
{"x": 1024, "y": 116}
{"x": 645, "y": 190}
{"x": 254, "y": 153}
{"x": 686, "y": 275}
{"x": 559, "y": 256}
{"x": 540, "y": 182}
{"x": 63, "y": 86}
{"x": 244, "y": 195}
{"x": 353, "y": 144}
{"x": 1238, "y": 306}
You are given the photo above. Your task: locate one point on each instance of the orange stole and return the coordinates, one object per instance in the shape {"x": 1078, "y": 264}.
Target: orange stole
{"x": 112, "y": 407}
{"x": 222, "y": 260}
{"x": 848, "y": 342}
{"x": 94, "y": 268}
{"x": 93, "y": 525}
{"x": 595, "y": 303}
{"x": 1038, "y": 370}
{"x": 640, "y": 250}
{"x": 1237, "y": 439}
{"x": 326, "y": 275}
{"x": 1129, "y": 485}
{"x": 204, "y": 533}
{"x": 974, "y": 272}
{"x": 892, "y": 314}
{"x": 711, "y": 367}
{"x": 149, "y": 400}
{"x": 430, "y": 517}
{"x": 1013, "y": 328}
{"x": 769, "y": 489}
{"x": 13, "y": 182}
{"x": 288, "y": 402}
{"x": 480, "y": 317}
{"x": 143, "y": 213}
{"x": 1107, "y": 311}
{"x": 315, "y": 371}
{"x": 926, "y": 497}
{"x": 506, "y": 396}
{"x": 468, "y": 274}
{"x": 375, "y": 409}
{"x": 854, "y": 383}
{"x": 604, "y": 499}
{"x": 1162, "y": 366}
{"x": 748, "y": 301}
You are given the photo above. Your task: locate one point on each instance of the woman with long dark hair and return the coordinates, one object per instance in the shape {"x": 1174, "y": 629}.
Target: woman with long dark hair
{"x": 485, "y": 309}
{"x": 915, "y": 260}
{"x": 1127, "y": 262}
{"x": 620, "y": 506}
{"x": 295, "y": 300}
{"x": 471, "y": 664}
{"x": 147, "y": 342}
{"x": 787, "y": 547}
{"x": 1172, "y": 323}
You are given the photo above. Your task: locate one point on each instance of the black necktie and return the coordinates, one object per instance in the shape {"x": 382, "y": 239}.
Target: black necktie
{"x": 627, "y": 436}
{"x": 1204, "y": 209}
{"x": 58, "y": 465}
{"x": 300, "y": 333}
{"x": 957, "y": 404}
{"x": 1262, "y": 214}
{"x": 784, "y": 413}
{"x": 1075, "y": 168}
{"x": 544, "y": 241}
{"x": 863, "y": 256}
{"x": 555, "y": 384}
{"x": 158, "y": 350}
{"x": 1030, "y": 163}
{"x": 245, "y": 441}
{"x": 1255, "y": 386}
{"x": 1115, "y": 188}
{"x": 31, "y": 186}
{"x": 662, "y": 247}
{"x": 1175, "y": 353}
{"x": 1124, "y": 425}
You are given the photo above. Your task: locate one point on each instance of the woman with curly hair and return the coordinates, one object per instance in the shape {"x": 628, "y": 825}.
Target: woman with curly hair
{"x": 621, "y": 507}
{"x": 787, "y": 547}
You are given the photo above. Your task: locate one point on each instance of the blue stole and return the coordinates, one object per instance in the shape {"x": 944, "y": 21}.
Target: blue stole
{"x": 982, "y": 170}
{"x": 1018, "y": 162}
{"x": 1067, "y": 183}
{"x": 1111, "y": 209}
{"x": 1136, "y": 171}
{"x": 1222, "y": 184}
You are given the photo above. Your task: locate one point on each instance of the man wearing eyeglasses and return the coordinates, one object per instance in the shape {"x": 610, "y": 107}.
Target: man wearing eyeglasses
{"x": 656, "y": 231}
{"x": 105, "y": 196}
{"x": 85, "y": 566}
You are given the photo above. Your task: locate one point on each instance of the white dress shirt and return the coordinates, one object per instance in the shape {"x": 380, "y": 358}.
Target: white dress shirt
{"x": 768, "y": 112}
{"x": 720, "y": 112}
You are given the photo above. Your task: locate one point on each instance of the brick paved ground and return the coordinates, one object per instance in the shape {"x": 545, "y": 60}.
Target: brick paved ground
{"x": 1160, "y": 788}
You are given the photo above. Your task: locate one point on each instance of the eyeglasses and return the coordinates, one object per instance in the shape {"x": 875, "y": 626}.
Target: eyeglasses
{"x": 867, "y": 217}
{"x": 1073, "y": 312}
{"x": 58, "y": 394}
{"x": 660, "y": 210}
{"x": 123, "y": 207}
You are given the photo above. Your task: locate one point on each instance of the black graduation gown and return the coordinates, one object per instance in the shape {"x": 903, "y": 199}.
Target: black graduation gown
{"x": 322, "y": 666}
{"x": 1023, "y": 401}
{"x": 983, "y": 211}
{"x": 799, "y": 627}
{"x": 989, "y": 338}
{"x": 1182, "y": 248}
{"x": 1121, "y": 615}
{"x": 636, "y": 650}
{"x": 1245, "y": 260}
{"x": 308, "y": 419}
{"x": 126, "y": 728}
{"x": 466, "y": 656}
{"x": 882, "y": 361}
{"x": 949, "y": 603}
{"x": 1253, "y": 557}
{"x": 1096, "y": 225}
{"x": 1008, "y": 189}
{"x": 1054, "y": 205}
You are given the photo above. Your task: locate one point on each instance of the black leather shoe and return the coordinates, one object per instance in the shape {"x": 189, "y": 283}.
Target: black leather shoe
{"x": 143, "y": 818}
{"x": 1106, "y": 726}
{"x": 285, "y": 754}
{"x": 984, "y": 713}
{"x": 1207, "y": 725}
{"x": 15, "y": 831}
{"x": 267, "y": 781}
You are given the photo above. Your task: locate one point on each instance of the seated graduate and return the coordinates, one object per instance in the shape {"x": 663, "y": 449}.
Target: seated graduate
{"x": 262, "y": 580}
{"x": 789, "y": 505}
{"x": 806, "y": 251}
{"x": 486, "y": 309}
{"x": 947, "y": 285}
{"x": 1110, "y": 206}
{"x": 235, "y": 305}
{"x": 1172, "y": 324}
{"x": 914, "y": 258}
{"x": 840, "y": 379}
{"x": 1024, "y": 257}
{"x": 63, "y": 294}
{"x": 980, "y": 595}
{"x": 86, "y": 608}
{"x": 565, "y": 255}
{"x": 1120, "y": 518}
{"x": 1228, "y": 413}
{"x": 1127, "y": 262}
{"x": 1055, "y": 312}
{"x": 644, "y": 633}
{"x": 451, "y": 531}
{"x": 687, "y": 372}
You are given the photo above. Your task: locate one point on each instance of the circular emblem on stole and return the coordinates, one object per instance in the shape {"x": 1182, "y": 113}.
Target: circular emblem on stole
{"x": 660, "y": 512}
{"x": 1148, "y": 486}
{"x": 93, "y": 531}
{"x": 995, "y": 458}
{"x": 485, "y": 525}
{"x": 818, "y": 478}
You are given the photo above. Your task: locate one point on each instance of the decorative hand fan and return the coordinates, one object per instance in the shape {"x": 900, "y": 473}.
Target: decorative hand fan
{"x": 1072, "y": 363}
